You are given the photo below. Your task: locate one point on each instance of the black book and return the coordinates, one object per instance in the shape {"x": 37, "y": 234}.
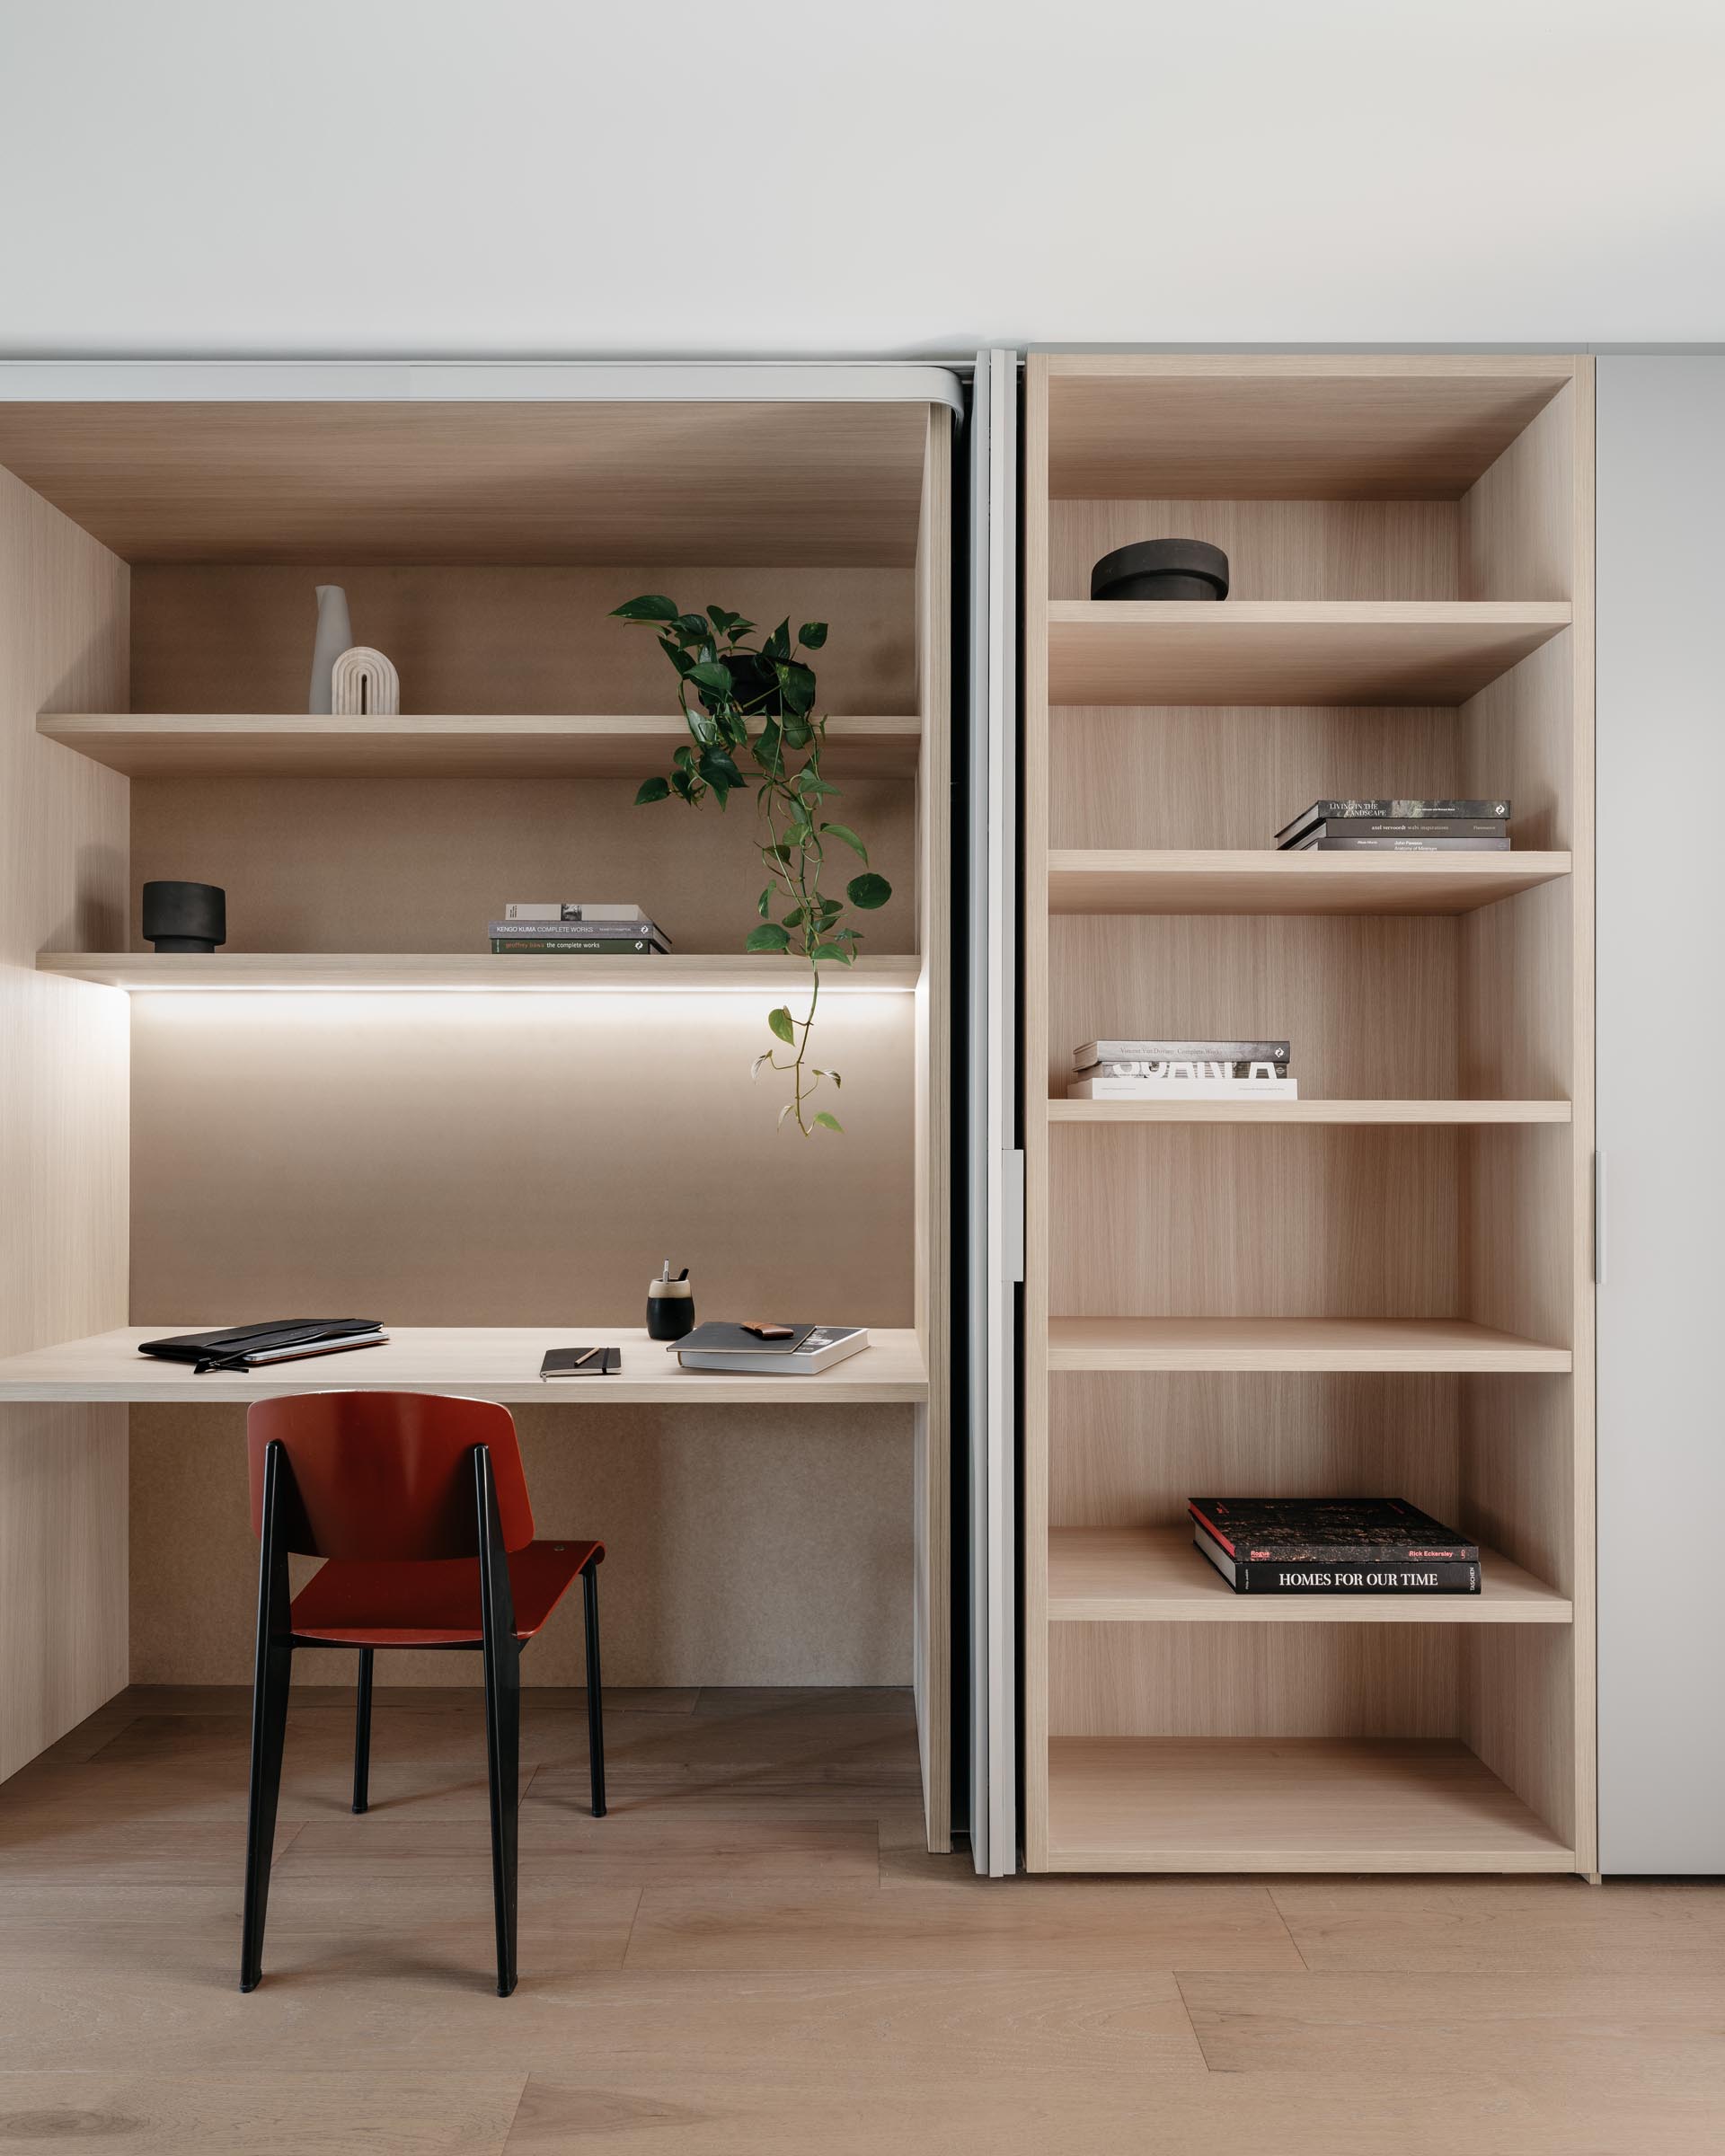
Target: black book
{"x": 1314, "y": 843}
{"x": 1440, "y": 1575}
{"x": 1388, "y": 806}
{"x": 581, "y": 1362}
{"x": 1328, "y": 1531}
{"x": 1405, "y": 826}
{"x": 585, "y": 947}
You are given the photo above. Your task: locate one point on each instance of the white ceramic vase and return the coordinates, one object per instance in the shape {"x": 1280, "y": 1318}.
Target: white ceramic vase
{"x": 335, "y": 635}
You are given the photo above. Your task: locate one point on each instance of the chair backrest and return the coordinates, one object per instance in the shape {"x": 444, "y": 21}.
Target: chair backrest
{"x": 387, "y": 1475}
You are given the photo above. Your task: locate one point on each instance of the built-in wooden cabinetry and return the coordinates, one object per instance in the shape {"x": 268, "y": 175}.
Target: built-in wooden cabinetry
{"x": 375, "y": 1141}
{"x": 1384, "y": 1288}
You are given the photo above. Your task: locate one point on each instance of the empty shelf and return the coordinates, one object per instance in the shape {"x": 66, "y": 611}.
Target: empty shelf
{"x": 1274, "y": 1804}
{"x": 1292, "y": 1344}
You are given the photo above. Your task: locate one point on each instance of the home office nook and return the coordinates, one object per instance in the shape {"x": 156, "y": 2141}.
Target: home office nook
{"x": 354, "y": 1106}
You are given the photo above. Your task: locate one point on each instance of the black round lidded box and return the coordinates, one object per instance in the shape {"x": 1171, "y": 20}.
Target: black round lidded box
{"x": 185, "y": 917}
{"x": 1161, "y": 568}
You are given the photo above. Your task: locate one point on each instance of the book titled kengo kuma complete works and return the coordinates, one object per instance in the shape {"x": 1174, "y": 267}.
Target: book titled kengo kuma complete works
{"x": 1332, "y": 1546}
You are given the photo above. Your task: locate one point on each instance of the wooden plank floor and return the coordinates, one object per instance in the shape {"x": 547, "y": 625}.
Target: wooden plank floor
{"x": 754, "y": 1955}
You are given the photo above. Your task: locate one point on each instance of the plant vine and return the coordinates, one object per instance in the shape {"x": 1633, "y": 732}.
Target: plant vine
{"x": 757, "y": 701}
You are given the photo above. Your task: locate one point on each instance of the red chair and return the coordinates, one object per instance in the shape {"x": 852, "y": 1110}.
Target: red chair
{"x": 418, "y": 1506}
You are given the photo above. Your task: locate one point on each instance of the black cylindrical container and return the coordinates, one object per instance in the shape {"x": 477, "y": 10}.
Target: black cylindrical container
{"x": 670, "y": 1305}
{"x": 1161, "y": 568}
{"x": 185, "y": 917}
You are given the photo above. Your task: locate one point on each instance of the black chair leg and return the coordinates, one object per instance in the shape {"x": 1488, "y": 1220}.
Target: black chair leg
{"x": 273, "y": 1677}
{"x": 362, "y": 1733}
{"x": 594, "y": 1694}
{"x": 501, "y": 1654}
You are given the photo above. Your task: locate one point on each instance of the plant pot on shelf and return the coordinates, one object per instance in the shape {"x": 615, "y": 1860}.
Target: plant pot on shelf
{"x": 1161, "y": 568}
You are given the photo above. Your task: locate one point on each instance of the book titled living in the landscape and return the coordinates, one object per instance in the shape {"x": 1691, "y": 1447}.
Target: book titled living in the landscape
{"x": 1332, "y": 1546}
{"x": 1388, "y": 808}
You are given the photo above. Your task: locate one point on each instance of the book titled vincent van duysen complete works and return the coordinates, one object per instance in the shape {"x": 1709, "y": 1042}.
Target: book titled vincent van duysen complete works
{"x": 770, "y": 1350}
{"x": 1174, "y": 1070}
{"x": 1332, "y": 1546}
{"x": 1388, "y": 826}
{"x": 578, "y": 928}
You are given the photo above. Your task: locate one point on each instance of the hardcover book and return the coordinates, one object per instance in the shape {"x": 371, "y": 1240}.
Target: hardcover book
{"x": 808, "y": 1349}
{"x": 1185, "y": 1067}
{"x": 532, "y": 931}
{"x": 1411, "y": 827}
{"x": 1388, "y": 807}
{"x": 1314, "y": 841}
{"x": 1328, "y": 1531}
{"x": 569, "y": 909}
{"x": 591, "y": 947}
{"x": 1436, "y": 1576}
{"x": 1092, "y": 1088}
{"x": 1181, "y": 1051}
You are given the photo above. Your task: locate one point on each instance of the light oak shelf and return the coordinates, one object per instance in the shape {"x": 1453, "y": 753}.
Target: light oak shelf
{"x": 1272, "y": 1804}
{"x": 1405, "y": 1344}
{"x": 487, "y": 1362}
{"x": 140, "y": 972}
{"x": 1099, "y": 881}
{"x": 206, "y": 744}
{"x": 1102, "y": 1112}
{"x": 1310, "y": 651}
{"x": 1155, "y": 1575}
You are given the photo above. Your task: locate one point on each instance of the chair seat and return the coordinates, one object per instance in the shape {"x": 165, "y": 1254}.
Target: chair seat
{"x": 355, "y": 1603}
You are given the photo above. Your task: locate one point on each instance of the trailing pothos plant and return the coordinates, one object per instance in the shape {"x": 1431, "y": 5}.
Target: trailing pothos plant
{"x": 756, "y": 700}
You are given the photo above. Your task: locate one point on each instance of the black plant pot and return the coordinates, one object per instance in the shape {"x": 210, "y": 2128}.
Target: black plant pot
{"x": 1161, "y": 568}
{"x": 185, "y": 917}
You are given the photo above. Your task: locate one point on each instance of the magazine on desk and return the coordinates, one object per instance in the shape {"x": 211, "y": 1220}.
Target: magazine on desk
{"x": 797, "y": 1351}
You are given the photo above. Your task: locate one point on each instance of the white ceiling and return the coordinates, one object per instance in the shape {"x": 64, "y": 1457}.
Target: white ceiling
{"x": 550, "y": 177}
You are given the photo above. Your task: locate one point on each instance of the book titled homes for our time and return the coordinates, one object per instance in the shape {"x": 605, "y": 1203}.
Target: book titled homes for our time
{"x": 1332, "y": 1546}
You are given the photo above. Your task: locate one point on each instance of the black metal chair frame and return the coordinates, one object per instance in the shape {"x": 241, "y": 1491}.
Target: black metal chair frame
{"x": 500, "y": 1652}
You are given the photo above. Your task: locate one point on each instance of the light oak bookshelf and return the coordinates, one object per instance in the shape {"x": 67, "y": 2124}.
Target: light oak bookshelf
{"x": 1154, "y": 1576}
{"x": 1383, "y": 1287}
{"x": 436, "y": 745}
{"x": 147, "y": 972}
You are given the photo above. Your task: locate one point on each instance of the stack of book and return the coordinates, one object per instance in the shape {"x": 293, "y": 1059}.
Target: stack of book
{"x": 1189, "y": 1070}
{"x": 576, "y": 927}
{"x": 1392, "y": 826}
{"x": 1332, "y": 1546}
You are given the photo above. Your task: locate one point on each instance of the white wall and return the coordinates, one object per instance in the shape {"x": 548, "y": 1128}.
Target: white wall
{"x": 891, "y": 176}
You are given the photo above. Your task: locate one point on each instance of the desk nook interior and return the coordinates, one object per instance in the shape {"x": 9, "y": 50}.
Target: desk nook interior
{"x": 353, "y": 1107}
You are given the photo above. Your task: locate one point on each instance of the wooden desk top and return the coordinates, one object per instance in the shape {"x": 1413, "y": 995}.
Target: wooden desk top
{"x": 498, "y": 1362}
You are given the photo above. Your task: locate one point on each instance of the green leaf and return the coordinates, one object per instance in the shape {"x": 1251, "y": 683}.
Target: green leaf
{"x": 766, "y": 902}
{"x": 679, "y": 657}
{"x": 778, "y": 645}
{"x": 652, "y": 790}
{"x": 796, "y": 688}
{"x": 844, "y": 831}
{"x": 813, "y": 634}
{"x": 717, "y": 769}
{"x": 868, "y": 892}
{"x": 779, "y": 1021}
{"x": 683, "y": 784}
{"x": 769, "y": 936}
{"x": 651, "y": 607}
{"x": 834, "y": 951}
{"x": 794, "y": 919}
{"x": 691, "y": 627}
{"x": 711, "y": 675}
{"x": 828, "y": 1122}
{"x": 797, "y": 731}
{"x": 721, "y": 618}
